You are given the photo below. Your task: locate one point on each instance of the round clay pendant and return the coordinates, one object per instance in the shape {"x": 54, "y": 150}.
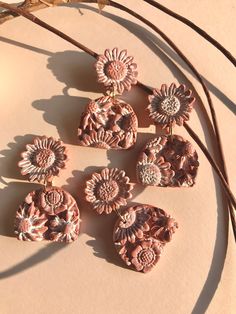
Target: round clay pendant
{"x": 168, "y": 161}
{"x": 48, "y": 214}
{"x": 108, "y": 123}
{"x": 140, "y": 235}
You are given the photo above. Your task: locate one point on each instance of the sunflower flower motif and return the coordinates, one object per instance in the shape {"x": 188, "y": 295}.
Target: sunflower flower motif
{"x": 108, "y": 190}
{"x": 65, "y": 229}
{"x": 170, "y": 105}
{"x": 146, "y": 255}
{"x": 116, "y": 70}
{"x": 54, "y": 200}
{"x": 132, "y": 225}
{"x": 100, "y": 139}
{"x": 163, "y": 225}
{"x": 43, "y": 159}
{"x": 152, "y": 170}
{"x": 30, "y": 223}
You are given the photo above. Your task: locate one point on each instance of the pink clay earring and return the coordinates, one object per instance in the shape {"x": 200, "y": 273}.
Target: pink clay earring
{"x": 141, "y": 231}
{"x": 49, "y": 213}
{"x": 169, "y": 160}
{"x": 109, "y": 122}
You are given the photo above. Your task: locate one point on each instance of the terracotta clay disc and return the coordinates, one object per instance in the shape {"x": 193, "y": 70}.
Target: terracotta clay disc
{"x": 108, "y": 123}
{"x": 168, "y": 161}
{"x": 140, "y": 235}
{"x": 48, "y": 214}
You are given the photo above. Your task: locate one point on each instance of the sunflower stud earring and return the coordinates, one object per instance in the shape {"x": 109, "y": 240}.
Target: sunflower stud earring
{"x": 49, "y": 213}
{"x": 140, "y": 232}
{"x": 108, "y": 122}
{"x": 169, "y": 160}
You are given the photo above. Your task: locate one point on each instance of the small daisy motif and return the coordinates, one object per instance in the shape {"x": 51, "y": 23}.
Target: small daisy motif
{"x": 109, "y": 190}
{"x": 43, "y": 159}
{"x": 116, "y": 69}
{"x": 65, "y": 228}
{"x": 170, "y": 105}
{"x": 146, "y": 255}
{"x": 152, "y": 170}
{"x": 30, "y": 223}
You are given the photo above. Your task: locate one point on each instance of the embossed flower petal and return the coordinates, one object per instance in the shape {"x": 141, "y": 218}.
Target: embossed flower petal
{"x": 43, "y": 159}
{"x": 108, "y": 123}
{"x": 152, "y": 170}
{"x": 30, "y": 223}
{"x": 65, "y": 229}
{"x": 54, "y": 200}
{"x": 100, "y": 139}
{"x": 163, "y": 226}
{"x": 146, "y": 255}
{"x": 170, "y": 105}
{"x": 168, "y": 161}
{"x": 132, "y": 225}
{"x": 116, "y": 69}
{"x": 108, "y": 190}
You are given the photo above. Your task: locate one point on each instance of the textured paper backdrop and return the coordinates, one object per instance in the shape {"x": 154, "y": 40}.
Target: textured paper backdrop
{"x": 45, "y": 84}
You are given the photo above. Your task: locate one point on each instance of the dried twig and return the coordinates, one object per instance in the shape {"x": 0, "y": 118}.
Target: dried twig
{"x": 196, "y": 28}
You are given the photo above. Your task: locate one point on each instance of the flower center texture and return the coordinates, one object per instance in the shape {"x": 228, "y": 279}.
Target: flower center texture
{"x": 150, "y": 174}
{"x": 53, "y": 198}
{"x": 24, "y": 225}
{"x": 116, "y": 70}
{"x": 146, "y": 256}
{"x": 107, "y": 190}
{"x": 44, "y": 158}
{"x": 170, "y": 105}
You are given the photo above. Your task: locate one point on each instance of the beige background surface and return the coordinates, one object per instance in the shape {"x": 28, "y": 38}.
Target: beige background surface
{"x": 45, "y": 84}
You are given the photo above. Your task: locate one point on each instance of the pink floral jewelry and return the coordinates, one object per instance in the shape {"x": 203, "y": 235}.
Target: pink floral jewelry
{"x": 109, "y": 122}
{"x": 49, "y": 213}
{"x": 169, "y": 160}
{"x": 141, "y": 231}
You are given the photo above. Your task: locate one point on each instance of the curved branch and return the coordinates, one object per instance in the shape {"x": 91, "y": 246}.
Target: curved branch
{"x": 196, "y": 28}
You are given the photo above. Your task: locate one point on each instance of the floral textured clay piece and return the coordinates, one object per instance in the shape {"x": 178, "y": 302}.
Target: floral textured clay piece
{"x": 48, "y": 214}
{"x": 168, "y": 161}
{"x": 108, "y": 123}
{"x": 140, "y": 235}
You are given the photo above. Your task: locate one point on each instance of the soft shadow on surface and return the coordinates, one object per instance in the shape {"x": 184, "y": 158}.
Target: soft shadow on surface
{"x": 10, "y": 157}
{"x": 42, "y": 255}
{"x": 219, "y": 253}
{"x": 64, "y": 113}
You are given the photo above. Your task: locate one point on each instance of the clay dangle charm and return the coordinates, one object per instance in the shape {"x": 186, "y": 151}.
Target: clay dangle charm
{"x": 169, "y": 160}
{"x": 49, "y": 213}
{"x": 141, "y": 232}
{"x": 109, "y": 122}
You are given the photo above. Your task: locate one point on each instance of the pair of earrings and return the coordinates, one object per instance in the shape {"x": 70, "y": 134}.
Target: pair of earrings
{"x": 110, "y": 123}
{"x": 142, "y": 231}
{"x": 51, "y": 213}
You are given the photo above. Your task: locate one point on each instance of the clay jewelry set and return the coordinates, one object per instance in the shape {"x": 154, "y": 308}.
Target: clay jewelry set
{"x": 142, "y": 231}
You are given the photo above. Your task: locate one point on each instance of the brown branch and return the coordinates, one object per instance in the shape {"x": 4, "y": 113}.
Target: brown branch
{"x": 62, "y": 35}
{"x": 196, "y": 28}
